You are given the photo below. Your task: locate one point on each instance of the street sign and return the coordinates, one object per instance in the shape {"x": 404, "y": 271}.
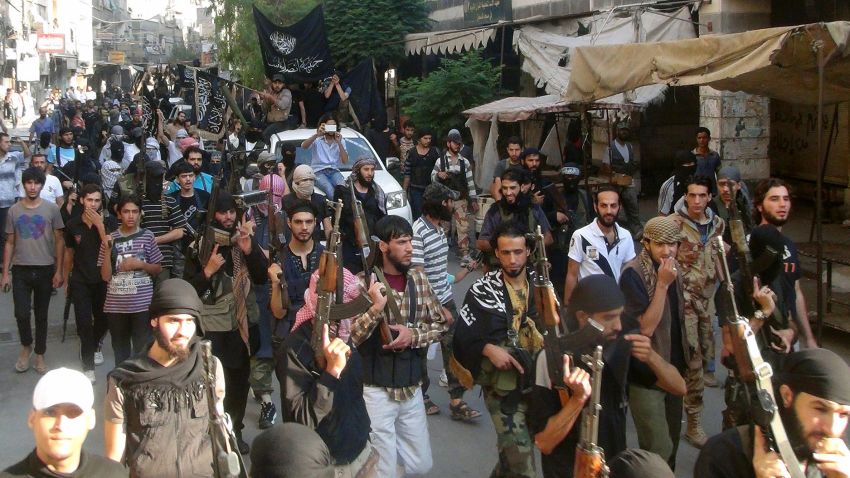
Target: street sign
{"x": 116, "y": 57}
{"x": 50, "y": 43}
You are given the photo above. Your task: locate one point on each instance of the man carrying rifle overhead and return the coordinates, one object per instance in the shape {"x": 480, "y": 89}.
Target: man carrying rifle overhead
{"x": 160, "y": 396}
{"x": 814, "y": 407}
{"x": 655, "y": 305}
{"x": 392, "y": 365}
{"x": 223, "y": 279}
{"x": 359, "y": 186}
{"x": 596, "y": 302}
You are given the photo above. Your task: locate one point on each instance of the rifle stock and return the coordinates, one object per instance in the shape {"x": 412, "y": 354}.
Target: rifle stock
{"x": 327, "y": 286}
{"x": 275, "y": 243}
{"x": 755, "y": 373}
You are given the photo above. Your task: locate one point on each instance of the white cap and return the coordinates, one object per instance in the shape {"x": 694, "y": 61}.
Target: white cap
{"x": 63, "y": 385}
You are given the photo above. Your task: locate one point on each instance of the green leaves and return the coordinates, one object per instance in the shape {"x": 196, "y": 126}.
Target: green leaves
{"x": 359, "y": 29}
{"x": 459, "y": 84}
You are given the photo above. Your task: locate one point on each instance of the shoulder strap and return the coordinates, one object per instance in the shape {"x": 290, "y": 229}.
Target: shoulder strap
{"x": 394, "y": 310}
{"x": 411, "y": 297}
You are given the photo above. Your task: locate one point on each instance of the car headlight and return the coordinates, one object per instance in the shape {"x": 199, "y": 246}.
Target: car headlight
{"x": 396, "y": 200}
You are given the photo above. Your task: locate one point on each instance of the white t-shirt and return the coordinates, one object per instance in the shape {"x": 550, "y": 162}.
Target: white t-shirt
{"x": 130, "y": 152}
{"x": 50, "y": 192}
{"x": 589, "y": 249}
{"x": 174, "y": 153}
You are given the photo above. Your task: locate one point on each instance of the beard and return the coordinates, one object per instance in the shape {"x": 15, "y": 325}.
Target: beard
{"x": 366, "y": 183}
{"x": 771, "y": 219}
{"x": 177, "y": 352}
{"x": 402, "y": 268}
{"x": 795, "y": 432}
{"x": 445, "y": 214}
{"x": 514, "y": 274}
{"x": 570, "y": 185}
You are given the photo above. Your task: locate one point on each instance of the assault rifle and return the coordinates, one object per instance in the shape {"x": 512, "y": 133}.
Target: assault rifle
{"x": 755, "y": 373}
{"x": 276, "y": 242}
{"x": 227, "y": 462}
{"x": 364, "y": 244}
{"x": 544, "y": 293}
{"x": 590, "y": 457}
{"x": 205, "y": 241}
{"x": 327, "y": 308}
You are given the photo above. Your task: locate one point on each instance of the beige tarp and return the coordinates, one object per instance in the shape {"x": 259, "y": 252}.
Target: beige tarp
{"x": 450, "y": 41}
{"x": 544, "y": 50}
{"x": 516, "y": 108}
{"x": 775, "y": 62}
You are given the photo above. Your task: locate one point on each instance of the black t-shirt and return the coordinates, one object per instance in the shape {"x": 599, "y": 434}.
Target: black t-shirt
{"x": 91, "y": 466}
{"x": 193, "y": 209}
{"x": 791, "y": 273}
{"x": 85, "y": 241}
{"x": 723, "y": 456}
{"x": 637, "y": 301}
{"x": 544, "y": 403}
{"x": 314, "y": 105}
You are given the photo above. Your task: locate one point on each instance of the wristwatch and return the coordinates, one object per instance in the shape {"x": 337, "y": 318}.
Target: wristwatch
{"x": 759, "y": 315}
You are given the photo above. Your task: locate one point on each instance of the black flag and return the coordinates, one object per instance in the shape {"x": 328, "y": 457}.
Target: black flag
{"x": 300, "y": 51}
{"x": 211, "y": 108}
{"x": 365, "y": 97}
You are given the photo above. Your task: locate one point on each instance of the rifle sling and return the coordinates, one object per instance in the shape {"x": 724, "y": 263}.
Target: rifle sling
{"x": 394, "y": 310}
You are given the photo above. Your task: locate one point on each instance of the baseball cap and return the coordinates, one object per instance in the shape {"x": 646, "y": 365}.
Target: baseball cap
{"x": 181, "y": 133}
{"x": 63, "y": 385}
{"x": 454, "y": 135}
{"x": 277, "y": 77}
{"x": 265, "y": 157}
{"x": 439, "y": 192}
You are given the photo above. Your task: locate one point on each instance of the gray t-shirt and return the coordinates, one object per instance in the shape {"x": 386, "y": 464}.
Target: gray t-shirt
{"x": 501, "y": 167}
{"x": 33, "y": 230}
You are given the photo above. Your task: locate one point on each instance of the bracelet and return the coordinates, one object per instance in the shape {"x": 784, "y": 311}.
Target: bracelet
{"x": 759, "y": 315}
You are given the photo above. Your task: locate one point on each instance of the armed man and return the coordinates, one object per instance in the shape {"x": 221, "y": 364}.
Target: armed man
{"x": 655, "y": 304}
{"x": 814, "y": 406}
{"x": 495, "y": 341}
{"x": 359, "y": 186}
{"x": 628, "y": 358}
{"x": 393, "y": 364}
{"x": 227, "y": 263}
{"x": 161, "y": 395}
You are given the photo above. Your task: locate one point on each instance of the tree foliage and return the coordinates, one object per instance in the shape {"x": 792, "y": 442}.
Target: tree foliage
{"x": 359, "y": 29}
{"x": 438, "y": 100}
{"x": 236, "y": 34}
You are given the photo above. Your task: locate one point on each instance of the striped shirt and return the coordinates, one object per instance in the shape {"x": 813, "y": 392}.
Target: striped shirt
{"x": 153, "y": 221}
{"x": 12, "y": 164}
{"x": 130, "y": 292}
{"x": 431, "y": 251}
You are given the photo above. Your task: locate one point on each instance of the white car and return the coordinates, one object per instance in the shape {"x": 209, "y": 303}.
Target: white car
{"x": 357, "y": 146}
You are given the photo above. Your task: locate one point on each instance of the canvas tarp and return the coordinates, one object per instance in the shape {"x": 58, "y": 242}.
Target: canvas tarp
{"x": 543, "y": 52}
{"x": 777, "y": 62}
{"x": 447, "y": 42}
{"x": 517, "y": 108}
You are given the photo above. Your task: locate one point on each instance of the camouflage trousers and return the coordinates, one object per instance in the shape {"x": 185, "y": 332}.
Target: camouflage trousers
{"x": 700, "y": 337}
{"x": 516, "y": 449}
{"x": 262, "y": 371}
{"x": 460, "y": 221}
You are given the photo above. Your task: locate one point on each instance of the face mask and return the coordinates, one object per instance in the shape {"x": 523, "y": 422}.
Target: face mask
{"x": 304, "y": 188}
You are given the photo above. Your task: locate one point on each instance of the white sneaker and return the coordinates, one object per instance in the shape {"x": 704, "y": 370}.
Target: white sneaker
{"x": 98, "y": 357}
{"x": 444, "y": 380}
{"x": 90, "y": 375}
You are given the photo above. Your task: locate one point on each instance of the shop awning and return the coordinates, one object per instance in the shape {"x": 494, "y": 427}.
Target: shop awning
{"x": 516, "y": 108}
{"x": 449, "y": 41}
{"x": 547, "y": 55}
{"x": 776, "y": 62}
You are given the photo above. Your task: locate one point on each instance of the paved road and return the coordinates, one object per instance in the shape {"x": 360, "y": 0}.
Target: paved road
{"x": 459, "y": 449}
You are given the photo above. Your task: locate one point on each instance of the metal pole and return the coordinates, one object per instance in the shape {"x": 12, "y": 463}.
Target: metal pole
{"x": 818, "y": 46}
{"x": 502, "y": 61}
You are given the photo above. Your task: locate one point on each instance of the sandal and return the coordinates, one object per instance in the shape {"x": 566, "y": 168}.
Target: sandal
{"x": 39, "y": 365}
{"x": 23, "y": 362}
{"x": 461, "y": 411}
{"x": 431, "y": 408}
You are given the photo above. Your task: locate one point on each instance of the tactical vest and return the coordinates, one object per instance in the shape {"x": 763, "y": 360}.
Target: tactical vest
{"x": 167, "y": 430}
{"x": 385, "y": 368}
{"x": 219, "y": 305}
{"x": 455, "y": 181}
{"x": 618, "y": 162}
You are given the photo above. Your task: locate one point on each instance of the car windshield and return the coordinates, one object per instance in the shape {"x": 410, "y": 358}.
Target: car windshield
{"x": 356, "y": 147}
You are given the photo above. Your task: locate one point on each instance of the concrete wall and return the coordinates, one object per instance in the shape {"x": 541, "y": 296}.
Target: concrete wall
{"x": 739, "y": 122}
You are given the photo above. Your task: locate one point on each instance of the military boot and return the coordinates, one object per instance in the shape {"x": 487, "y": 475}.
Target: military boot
{"x": 695, "y": 434}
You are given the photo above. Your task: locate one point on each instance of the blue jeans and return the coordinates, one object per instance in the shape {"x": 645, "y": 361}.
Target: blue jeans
{"x": 416, "y": 197}
{"x": 327, "y": 180}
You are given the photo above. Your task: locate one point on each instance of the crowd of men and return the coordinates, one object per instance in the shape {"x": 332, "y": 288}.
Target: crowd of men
{"x": 160, "y": 263}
